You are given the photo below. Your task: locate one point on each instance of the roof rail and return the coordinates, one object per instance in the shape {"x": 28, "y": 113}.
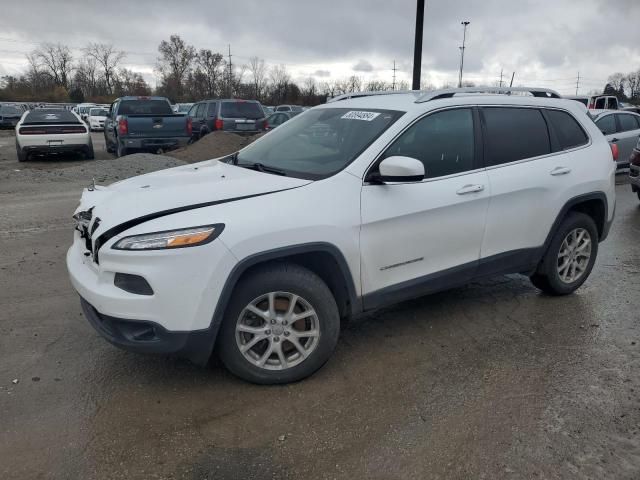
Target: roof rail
{"x": 346, "y": 96}
{"x": 450, "y": 92}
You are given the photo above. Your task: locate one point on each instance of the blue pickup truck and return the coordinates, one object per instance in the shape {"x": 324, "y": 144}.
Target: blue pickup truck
{"x": 144, "y": 124}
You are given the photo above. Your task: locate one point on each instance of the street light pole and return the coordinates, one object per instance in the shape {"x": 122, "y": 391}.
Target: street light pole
{"x": 464, "y": 38}
{"x": 417, "y": 48}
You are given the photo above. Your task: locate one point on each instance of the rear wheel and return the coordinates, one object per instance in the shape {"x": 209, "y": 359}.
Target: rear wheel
{"x": 121, "y": 150}
{"x": 22, "y": 155}
{"x": 570, "y": 256}
{"x": 282, "y": 324}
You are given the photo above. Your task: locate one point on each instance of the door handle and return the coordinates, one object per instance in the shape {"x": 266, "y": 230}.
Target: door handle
{"x": 560, "y": 171}
{"x": 470, "y": 189}
{"x": 614, "y": 140}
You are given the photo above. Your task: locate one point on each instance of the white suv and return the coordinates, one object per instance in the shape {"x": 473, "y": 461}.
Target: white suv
{"x": 348, "y": 207}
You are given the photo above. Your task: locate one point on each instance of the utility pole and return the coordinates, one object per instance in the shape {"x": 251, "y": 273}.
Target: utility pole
{"x": 393, "y": 86}
{"x": 577, "y": 83}
{"x": 417, "y": 47}
{"x": 501, "y": 70}
{"x": 464, "y": 38}
{"x": 230, "y": 74}
{"x": 511, "y": 84}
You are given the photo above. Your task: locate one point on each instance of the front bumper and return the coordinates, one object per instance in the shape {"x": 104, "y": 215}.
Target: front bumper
{"x": 149, "y": 337}
{"x": 155, "y": 143}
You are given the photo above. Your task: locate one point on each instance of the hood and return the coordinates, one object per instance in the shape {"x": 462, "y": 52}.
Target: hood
{"x": 190, "y": 186}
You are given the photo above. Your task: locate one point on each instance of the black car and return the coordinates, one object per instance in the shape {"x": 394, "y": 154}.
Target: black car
{"x": 229, "y": 115}
{"x": 10, "y": 115}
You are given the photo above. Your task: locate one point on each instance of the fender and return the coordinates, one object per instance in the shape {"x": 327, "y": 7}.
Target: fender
{"x": 572, "y": 203}
{"x": 275, "y": 254}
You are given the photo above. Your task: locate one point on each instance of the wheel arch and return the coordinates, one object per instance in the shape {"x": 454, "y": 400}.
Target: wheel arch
{"x": 593, "y": 204}
{"x": 324, "y": 259}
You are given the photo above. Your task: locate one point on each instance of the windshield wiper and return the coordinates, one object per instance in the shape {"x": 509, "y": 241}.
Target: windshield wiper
{"x": 260, "y": 167}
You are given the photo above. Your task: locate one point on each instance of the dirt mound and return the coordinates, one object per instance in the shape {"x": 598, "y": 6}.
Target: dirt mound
{"x": 216, "y": 144}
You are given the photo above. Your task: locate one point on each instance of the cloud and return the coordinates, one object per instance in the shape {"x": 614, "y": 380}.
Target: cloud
{"x": 363, "y": 66}
{"x": 322, "y": 73}
{"x": 546, "y": 45}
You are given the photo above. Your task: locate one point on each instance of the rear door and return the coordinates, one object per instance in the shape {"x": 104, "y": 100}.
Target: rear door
{"x": 530, "y": 173}
{"x": 609, "y": 127}
{"x": 110, "y": 124}
{"x": 420, "y": 236}
{"x": 628, "y": 134}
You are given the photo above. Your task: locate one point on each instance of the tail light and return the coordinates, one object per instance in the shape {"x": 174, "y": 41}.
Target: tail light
{"x": 590, "y": 106}
{"x": 123, "y": 126}
{"x": 53, "y": 130}
{"x": 266, "y": 125}
{"x": 219, "y": 124}
{"x": 189, "y": 126}
{"x": 615, "y": 152}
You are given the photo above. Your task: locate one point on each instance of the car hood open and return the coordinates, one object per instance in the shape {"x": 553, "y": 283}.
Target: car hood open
{"x": 177, "y": 189}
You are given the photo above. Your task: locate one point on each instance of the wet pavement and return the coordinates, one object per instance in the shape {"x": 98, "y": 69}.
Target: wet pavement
{"x": 493, "y": 380}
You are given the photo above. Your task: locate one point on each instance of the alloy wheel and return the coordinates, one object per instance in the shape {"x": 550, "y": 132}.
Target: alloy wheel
{"x": 574, "y": 255}
{"x": 277, "y": 330}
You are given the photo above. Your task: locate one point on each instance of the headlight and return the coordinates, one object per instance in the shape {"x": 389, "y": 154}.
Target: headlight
{"x": 185, "y": 237}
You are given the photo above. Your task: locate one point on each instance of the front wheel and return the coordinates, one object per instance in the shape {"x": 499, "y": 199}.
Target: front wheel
{"x": 570, "y": 256}
{"x": 282, "y": 324}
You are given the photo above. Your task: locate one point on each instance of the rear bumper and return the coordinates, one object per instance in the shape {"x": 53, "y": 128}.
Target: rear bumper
{"x": 143, "y": 336}
{"x": 155, "y": 143}
{"x": 46, "y": 149}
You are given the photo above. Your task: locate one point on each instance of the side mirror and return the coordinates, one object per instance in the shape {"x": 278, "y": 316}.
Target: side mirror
{"x": 399, "y": 169}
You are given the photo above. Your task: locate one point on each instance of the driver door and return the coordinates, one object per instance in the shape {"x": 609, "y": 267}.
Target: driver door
{"x": 425, "y": 236}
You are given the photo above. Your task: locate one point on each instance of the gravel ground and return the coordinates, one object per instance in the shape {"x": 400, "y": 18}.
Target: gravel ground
{"x": 490, "y": 381}
{"x": 214, "y": 145}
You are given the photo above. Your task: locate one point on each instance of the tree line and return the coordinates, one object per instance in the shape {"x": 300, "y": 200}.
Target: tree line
{"x": 624, "y": 86}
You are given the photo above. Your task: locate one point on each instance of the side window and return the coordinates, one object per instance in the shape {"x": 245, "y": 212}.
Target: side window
{"x": 570, "y": 134}
{"x": 627, "y": 122}
{"x": 607, "y": 124}
{"x": 442, "y": 141}
{"x": 211, "y": 112}
{"x": 512, "y": 134}
{"x": 200, "y": 111}
{"x": 192, "y": 111}
{"x": 601, "y": 103}
{"x": 612, "y": 103}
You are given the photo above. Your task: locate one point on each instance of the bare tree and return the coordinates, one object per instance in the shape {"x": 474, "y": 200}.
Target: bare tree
{"x": 258, "y": 72}
{"x": 56, "y": 61}
{"x": 175, "y": 61}
{"x": 632, "y": 81}
{"x": 109, "y": 58}
{"x": 212, "y": 68}
{"x": 86, "y": 78}
{"x": 617, "y": 81}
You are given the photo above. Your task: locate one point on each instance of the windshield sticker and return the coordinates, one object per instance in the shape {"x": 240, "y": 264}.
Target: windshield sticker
{"x": 358, "y": 115}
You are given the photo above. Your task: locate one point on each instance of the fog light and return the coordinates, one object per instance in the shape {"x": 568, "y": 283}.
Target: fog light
{"x": 132, "y": 284}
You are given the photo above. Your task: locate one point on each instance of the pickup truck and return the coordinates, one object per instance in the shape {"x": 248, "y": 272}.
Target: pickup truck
{"x": 145, "y": 124}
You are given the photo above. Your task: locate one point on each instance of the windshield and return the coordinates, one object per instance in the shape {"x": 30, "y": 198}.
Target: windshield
{"x": 98, "y": 112}
{"x": 319, "y": 143}
{"x": 251, "y": 110}
{"x": 144, "y": 107}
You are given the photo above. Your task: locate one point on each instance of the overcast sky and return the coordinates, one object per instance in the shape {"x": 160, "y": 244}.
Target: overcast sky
{"x": 546, "y": 42}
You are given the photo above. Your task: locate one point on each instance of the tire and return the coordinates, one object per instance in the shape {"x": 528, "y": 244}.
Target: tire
{"x": 282, "y": 282}
{"x": 89, "y": 153}
{"x": 22, "y": 156}
{"x": 550, "y": 276}
{"x": 121, "y": 150}
{"x": 638, "y": 193}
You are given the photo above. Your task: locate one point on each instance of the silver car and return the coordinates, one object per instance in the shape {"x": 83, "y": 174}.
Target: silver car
{"x": 620, "y": 128}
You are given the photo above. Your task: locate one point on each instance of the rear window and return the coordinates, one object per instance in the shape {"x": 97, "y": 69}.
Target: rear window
{"x": 49, "y": 117}
{"x": 144, "y": 107}
{"x": 10, "y": 110}
{"x": 98, "y": 112}
{"x": 513, "y": 134}
{"x": 570, "y": 134}
{"x": 241, "y": 110}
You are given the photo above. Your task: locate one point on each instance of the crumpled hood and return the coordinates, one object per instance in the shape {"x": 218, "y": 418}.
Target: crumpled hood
{"x": 176, "y": 188}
